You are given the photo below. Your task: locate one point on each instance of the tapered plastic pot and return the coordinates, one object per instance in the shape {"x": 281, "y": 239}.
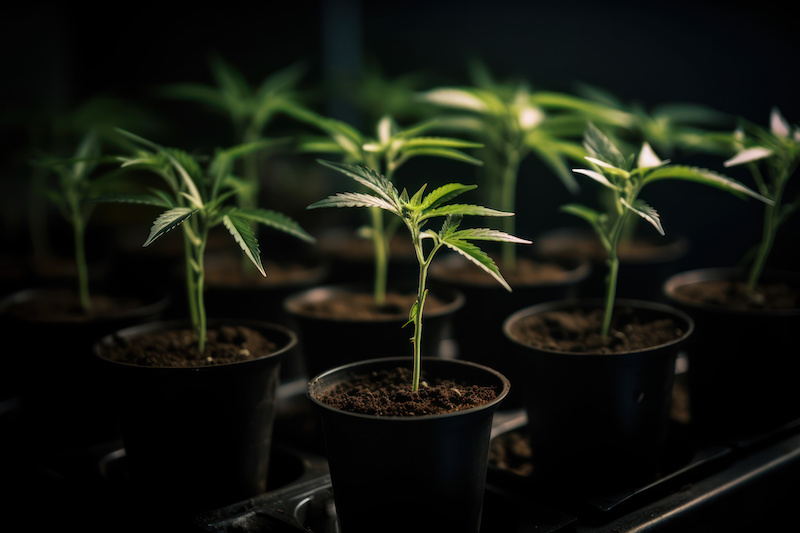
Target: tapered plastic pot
{"x": 742, "y": 374}
{"x": 50, "y": 366}
{"x": 597, "y": 421}
{"x": 197, "y": 438}
{"x": 330, "y": 341}
{"x": 400, "y": 474}
{"x": 478, "y": 326}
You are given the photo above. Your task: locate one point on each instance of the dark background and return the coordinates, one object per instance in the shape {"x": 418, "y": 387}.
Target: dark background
{"x": 739, "y": 59}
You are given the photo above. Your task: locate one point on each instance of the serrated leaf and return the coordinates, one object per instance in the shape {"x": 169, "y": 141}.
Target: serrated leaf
{"x": 368, "y": 178}
{"x": 275, "y": 220}
{"x": 487, "y": 234}
{"x": 168, "y": 221}
{"x": 444, "y": 194}
{"x": 242, "y": 233}
{"x": 641, "y": 208}
{"x": 354, "y": 199}
{"x": 442, "y": 152}
{"x": 704, "y": 176}
{"x": 144, "y": 199}
{"x": 465, "y": 210}
{"x": 600, "y": 146}
{"x": 476, "y": 256}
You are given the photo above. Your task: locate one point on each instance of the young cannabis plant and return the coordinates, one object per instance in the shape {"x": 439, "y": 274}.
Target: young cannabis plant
{"x": 625, "y": 178}
{"x": 76, "y": 183}
{"x": 513, "y": 122}
{"x": 195, "y": 201}
{"x": 779, "y": 150}
{"x": 250, "y": 110}
{"x": 386, "y": 153}
{"x": 415, "y": 211}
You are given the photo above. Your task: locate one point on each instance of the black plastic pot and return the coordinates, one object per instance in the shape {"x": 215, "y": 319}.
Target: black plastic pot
{"x": 742, "y": 364}
{"x": 405, "y": 474}
{"x": 54, "y": 373}
{"x": 478, "y": 326}
{"x": 330, "y": 342}
{"x": 597, "y": 421}
{"x": 197, "y": 438}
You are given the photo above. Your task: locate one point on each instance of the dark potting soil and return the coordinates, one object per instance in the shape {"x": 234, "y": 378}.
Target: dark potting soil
{"x": 362, "y": 306}
{"x": 178, "y": 348}
{"x": 388, "y": 393}
{"x": 578, "y": 331}
{"x": 735, "y": 295}
{"x": 63, "y": 305}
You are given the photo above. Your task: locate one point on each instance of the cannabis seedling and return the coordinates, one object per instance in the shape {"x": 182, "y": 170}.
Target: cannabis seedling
{"x": 626, "y": 178}
{"x": 386, "y": 153}
{"x": 779, "y": 150}
{"x": 415, "y": 211}
{"x": 250, "y": 110}
{"x": 195, "y": 201}
{"x": 513, "y": 122}
{"x": 74, "y": 186}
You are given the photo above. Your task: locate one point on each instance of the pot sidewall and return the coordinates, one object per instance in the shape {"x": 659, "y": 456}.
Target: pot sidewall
{"x": 431, "y": 468}
{"x": 741, "y": 373}
{"x": 597, "y": 421}
{"x": 197, "y": 438}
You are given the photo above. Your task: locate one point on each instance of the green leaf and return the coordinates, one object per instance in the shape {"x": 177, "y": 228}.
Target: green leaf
{"x": 465, "y": 209}
{"x": 704, "y": 176}
{"x": 368, "y": 178}
{"x": 441, "y": 152}
{"x": 487, "y": 234}
{"x": 243, "y": 234}
{"x": 145, "y": 199}
{"x": 641, "y": 208}
{"x": 275, "y": 220}
{"x": 476, "y": 256}
{"x": 586, "y": 213}
{"x": 601, "y": 147}
{"x": 354, "y": 199}
{"x": 168, "y": 221}
{"x": 444, "y": 194}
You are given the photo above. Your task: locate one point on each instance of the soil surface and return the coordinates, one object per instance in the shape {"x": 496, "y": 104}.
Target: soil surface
{"x": 178, "y": 348}
{"x": 736, "y": 295}
{"x": 362, "y": 306}
{"x": 578, "y": 331}
{"x": 388, "y": 393}
{"x": 63, "y": 305}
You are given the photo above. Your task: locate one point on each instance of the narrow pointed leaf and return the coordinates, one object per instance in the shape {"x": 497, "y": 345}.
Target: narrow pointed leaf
{"x": 706, "y": 177}
{"x": 641, "y": 208}
{"x": 476, "y": 256}
{"x": 444, "y": 194}
{"x": 275, "y": 220}
{"x": 144, "y": 199}
{"x": 465, "y": 209}
{"x": 749, "y": 155}
{"x": 242, "y": 233}
{"x": 441, "y": 152}
{"x": 353, "y": 199}
{"x": 595, "y": 176}
{"x": 168, "y": 221}
{"x": 487, "y": 234}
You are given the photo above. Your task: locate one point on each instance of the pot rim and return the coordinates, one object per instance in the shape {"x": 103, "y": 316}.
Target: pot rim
{"x": 392, "y": 361}
{"x": 163, "y": 325}
{"x": 290, "y": 304}
{"x": 599, "y": 303}
{"x": 727, "y": 273}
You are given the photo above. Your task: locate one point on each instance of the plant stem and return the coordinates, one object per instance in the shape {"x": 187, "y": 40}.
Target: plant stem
{"x": 381, "y": 245}
{"x": 421, "y": 294}
{"x": 611, "y": 243}
{"x": 770, "y": 228}
{"x": 509, "y": 190}
{"x": 78, "y": 231}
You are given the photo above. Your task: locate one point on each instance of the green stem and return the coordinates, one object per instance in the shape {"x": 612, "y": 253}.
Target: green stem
{"x": 80, "y": 263}
{"x": 770, "y": 228}
{"x": 421, "y": 294}
{"x": 381, "y": 246}
{"x": 611, "y": 244}
{"x": 509, "y": 190}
